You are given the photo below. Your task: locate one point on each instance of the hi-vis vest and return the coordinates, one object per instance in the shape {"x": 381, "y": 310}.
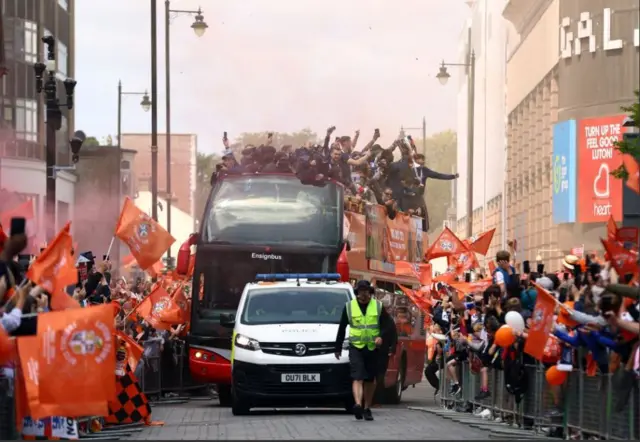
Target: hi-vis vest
{"x": 364, "y": 329}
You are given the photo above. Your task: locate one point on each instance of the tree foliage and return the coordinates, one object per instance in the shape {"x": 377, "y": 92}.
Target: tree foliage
{"x": 440, "y": 155}
{"x": 630, "y": 145}
{"x": 91, "y": 141}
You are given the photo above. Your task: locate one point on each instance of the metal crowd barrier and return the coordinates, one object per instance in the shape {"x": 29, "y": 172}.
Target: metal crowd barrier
{"x": 7, "y": 409}
{"x": 585, "y": 404}
{"x": 166, "y": 371}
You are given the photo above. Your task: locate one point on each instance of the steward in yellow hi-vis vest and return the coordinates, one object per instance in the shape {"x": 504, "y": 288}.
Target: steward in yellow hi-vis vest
{"x": 368, "y": 323}
{"x": 364, "y": 328}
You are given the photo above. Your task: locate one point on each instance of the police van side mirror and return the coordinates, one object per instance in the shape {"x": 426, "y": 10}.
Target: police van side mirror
{"x": 227, "y": 320}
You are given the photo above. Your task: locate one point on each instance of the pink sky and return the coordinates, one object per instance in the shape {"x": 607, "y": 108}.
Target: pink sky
{"x": 273, "y": 65}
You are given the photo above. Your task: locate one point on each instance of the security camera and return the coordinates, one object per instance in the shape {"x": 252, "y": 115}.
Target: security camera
{"x": 76, "y": 144}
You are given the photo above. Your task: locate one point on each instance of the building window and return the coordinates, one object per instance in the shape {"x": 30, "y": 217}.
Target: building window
{"x": 64, "y": 4}
{"x": 62, "y": 59}
{"x": 26, "y": 118}
{"x": 30, "y": 42}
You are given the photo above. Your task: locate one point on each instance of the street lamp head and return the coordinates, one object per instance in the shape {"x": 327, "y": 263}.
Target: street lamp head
{"x": 146, "y": 102}
{"x": 39, "y": 69}
{"x": 48, "y": 40}
{"x": 443, "y": 75}
{"x": 76, "y": 144}
{"x": 538, "y": 258}
{"x": 69, "y": 86}
{"x": 199, "y": 26}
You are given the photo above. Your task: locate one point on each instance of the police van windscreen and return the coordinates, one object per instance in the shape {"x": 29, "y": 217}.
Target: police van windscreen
{"x": 274, "y": 210}
{"x": 294, "y": 305}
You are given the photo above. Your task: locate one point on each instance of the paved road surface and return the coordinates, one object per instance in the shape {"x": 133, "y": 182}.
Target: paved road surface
{"x": 206, "y": 420}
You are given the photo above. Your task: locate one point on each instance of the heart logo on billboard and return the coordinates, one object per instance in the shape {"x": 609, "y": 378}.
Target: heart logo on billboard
{"x": 601, "y": 183}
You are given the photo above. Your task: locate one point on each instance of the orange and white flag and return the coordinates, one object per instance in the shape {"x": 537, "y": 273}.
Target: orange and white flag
{"x": 54, "y": 269}
{"x": 447, "y": 244}
{"x": 147, "y": 240}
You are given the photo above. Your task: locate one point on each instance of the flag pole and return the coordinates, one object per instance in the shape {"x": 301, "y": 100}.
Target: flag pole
{"x": 113, "y": 238}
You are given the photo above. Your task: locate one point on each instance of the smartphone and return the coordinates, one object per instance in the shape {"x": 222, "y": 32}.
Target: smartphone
{"x": 18, "y": 226}
{"x": 526, "y": 267}
{"x": 565, "y": 276}
{"x": 540, "y": 269}
{"x": 467, "y": 277}
{"x": 224, "y": 137}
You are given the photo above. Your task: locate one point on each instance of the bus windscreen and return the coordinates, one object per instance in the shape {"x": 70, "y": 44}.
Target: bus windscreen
{"x": 273, "y": 210}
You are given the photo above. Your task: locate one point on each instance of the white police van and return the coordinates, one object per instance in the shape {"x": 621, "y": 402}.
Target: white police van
{"x": 283, "y": 347}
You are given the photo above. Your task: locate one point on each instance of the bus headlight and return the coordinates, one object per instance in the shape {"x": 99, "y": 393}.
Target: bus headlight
{"x": 247, "y": 343}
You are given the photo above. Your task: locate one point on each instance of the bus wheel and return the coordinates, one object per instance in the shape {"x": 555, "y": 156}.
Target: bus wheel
{"x": 394, "y": 393}
{"x": 238, "y": 406}
{"x": 224, "y": 395}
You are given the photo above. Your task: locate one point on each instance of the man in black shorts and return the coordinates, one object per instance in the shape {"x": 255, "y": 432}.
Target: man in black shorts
{"x": 368, "y": 322}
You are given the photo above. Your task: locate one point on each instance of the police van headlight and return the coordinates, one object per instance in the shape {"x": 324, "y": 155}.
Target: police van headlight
{"x": 247, "y": 343}
{"x": 345, "y": 344}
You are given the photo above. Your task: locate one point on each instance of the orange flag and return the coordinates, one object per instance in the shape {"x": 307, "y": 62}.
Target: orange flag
{"x": 155, "y": 270}
{"x": 54, "y": 268}
{"x": 463, "y": 262}
{"x": 481, "y": 243}
{"x": 147, "y": 240}
{"x": 24, "y": 210}
{"x": 628, "y": 235}
{"x": 472, "y": 287}
{"x": 492, "y": 267}
{"x": 28, "y": 386}
{"x": 421, "y": 272}
{"x": 541, "y": 323}
{"x": 62, "y": 301}
{"x": 612, "y": 229}
{"x": 631, "y": 164}
{"x": 77, "y": 359}
{"x": 177, "y": 312}
{"x": 447, "y": 277}
{"x": 134, "y": 350}
{"x": 424, "y": 304}
{"x": 622, "y": 260}
{"x": 151, "y": 307}
{"x": 6, "y": 347}
{"x": 447, "y": 244}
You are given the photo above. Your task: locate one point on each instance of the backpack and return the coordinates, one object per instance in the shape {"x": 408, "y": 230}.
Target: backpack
{"x": 515, "y": 377}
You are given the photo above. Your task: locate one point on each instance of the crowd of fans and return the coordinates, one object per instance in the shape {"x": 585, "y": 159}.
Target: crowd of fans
{"x": 21, "y": 302}
{"x": 596, "y": 328}
{"x": 374, "y": 174}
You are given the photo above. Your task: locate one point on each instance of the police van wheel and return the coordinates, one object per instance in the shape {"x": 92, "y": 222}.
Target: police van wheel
{"x": 238, "y": 406}
{"x": 224, "y": 395}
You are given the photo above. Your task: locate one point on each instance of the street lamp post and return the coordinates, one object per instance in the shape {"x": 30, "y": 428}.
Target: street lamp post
{"x": 199, "y": 27}
{"x": 443, "y": 77}
{"x": 145, "y": 103}
{"x": 49, "y": 87}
